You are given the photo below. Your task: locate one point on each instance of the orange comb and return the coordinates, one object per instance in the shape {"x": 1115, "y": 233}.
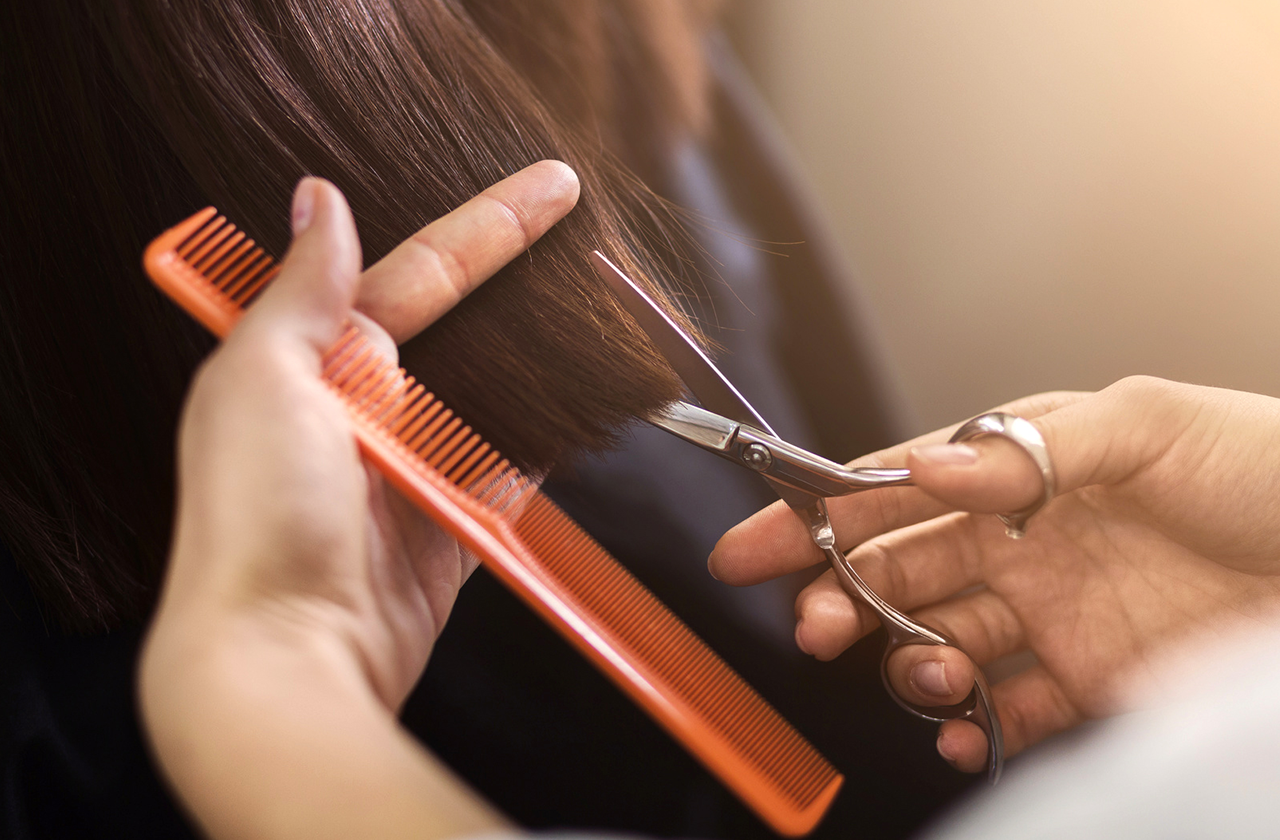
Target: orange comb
{"x": 542, "y": 555}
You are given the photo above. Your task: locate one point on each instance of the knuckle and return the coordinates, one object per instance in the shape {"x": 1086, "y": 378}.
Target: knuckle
{"x": 1043, "y": 403}
{"x": 1013, "y": 721}
{"x": 974, "y": 550}
{"x": 1142, "y": 388}
{"x": 821, "y": 589}
{"x": 880, "y": 567}
{"x": 825, "y": 606}
{"x": 443, "y": 264}
{"x": 989, "y": 635}
{"x": 1065, "y": 712}
{"x": 887, "y": 507}
{"x": 515, "y": 219}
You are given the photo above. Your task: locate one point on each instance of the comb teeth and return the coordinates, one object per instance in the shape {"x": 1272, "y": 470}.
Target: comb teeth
{"x": 435, "y": 460}
{"x": 438, "y": 439}
{"x": 673, "y": 655}
{"x": 228, "y": 260}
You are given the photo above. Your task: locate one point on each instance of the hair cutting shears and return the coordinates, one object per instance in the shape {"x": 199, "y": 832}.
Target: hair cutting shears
{"x": 726, "y": 424}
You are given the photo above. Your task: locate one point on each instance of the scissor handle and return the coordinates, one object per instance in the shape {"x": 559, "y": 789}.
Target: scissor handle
{"x": 902, "y": 631}
{"x": 977, "y": 708}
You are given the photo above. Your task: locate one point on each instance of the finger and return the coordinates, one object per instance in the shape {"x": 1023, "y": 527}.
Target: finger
{"x": 1099, "y": 438}
{"x": 775, "y": 542}
{"x": 312, "y": 296}
{"x": 1031, "y": 706}
{"x": 827, "y": 620}
{"x": 1119, "y": 431}
{"x": 987, "y": 475}
{"x": 908, "y": 568}
{"x": 963, "y": 745}
{"x": 771, "y": 543}
{"x": 985, "y": 628}
{"x": 430, "y": 272}
{"x": 378, "y": 337}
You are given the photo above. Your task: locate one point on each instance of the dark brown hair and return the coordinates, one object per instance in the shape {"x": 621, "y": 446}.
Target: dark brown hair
{"x": 123, "y": 116}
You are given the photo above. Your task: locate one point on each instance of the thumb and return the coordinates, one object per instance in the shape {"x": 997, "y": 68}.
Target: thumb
{"x": 312, "y": 297}
{"x": 1100, "y": 438}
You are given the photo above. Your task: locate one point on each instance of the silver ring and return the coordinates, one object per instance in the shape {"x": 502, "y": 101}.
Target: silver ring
{"x": 1026, "y": 436}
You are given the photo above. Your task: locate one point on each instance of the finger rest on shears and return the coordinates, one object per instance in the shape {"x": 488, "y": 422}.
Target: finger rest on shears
{"x": 977, "y": 708}
{"x": 1027, "y": 437}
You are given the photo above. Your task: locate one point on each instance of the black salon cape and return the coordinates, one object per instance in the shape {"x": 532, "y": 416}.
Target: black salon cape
{"x": 506, "y": 702}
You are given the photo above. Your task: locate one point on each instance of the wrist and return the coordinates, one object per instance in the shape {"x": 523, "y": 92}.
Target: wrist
{"x": 203, "y": 665}
{"x": 267, "y": 730}
{"x": 262, "y": 726}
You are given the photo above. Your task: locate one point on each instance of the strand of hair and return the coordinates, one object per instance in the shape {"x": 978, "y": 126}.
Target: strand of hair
{"x": 490, "y": 484}
{"x": 507, "y": 490}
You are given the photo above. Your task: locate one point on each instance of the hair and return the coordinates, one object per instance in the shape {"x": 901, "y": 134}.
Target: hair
{"x": 124, "y": 116}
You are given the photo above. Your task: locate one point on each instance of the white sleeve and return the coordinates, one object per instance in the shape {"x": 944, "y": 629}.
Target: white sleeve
{"x": 1204, "y": 765}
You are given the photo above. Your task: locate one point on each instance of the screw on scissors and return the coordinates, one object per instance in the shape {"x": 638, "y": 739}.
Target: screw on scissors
{"x": 727, "y": 425}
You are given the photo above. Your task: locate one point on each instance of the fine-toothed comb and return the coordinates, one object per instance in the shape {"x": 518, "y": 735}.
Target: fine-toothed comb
{"x": 437, "y": 462}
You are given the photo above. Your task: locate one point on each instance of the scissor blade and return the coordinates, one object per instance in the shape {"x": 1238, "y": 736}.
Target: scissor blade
{"x": 703, "y": 378}
{"x": 704, "y": 429}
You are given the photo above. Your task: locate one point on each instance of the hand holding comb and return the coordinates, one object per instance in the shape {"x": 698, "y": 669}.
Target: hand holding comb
{"x": 435, "y": 461}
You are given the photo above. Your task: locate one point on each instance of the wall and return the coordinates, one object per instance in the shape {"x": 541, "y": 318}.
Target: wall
{"x": 1042, "y": 195}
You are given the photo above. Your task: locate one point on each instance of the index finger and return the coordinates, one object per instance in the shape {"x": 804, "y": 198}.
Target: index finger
{"x": 774, "y": 542}
{"x": 428, "y": 273}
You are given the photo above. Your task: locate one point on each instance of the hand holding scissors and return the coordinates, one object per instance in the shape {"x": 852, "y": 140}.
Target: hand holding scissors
{"x": 727, "y": 425}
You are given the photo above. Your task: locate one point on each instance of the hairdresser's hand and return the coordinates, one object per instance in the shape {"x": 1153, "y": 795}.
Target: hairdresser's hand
{"x": 1165, "y": 527}
{"x": 303, "y": 595}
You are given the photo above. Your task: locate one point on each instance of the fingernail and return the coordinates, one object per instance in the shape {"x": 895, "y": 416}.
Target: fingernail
{"x": 800, "y": 639}
{"x": 930, "y": 677}
{"x": 944, "y": 750}
{"x": 951, "y": 454}
{"x": 711, "y": 566}
{"x": 304, "y": 202}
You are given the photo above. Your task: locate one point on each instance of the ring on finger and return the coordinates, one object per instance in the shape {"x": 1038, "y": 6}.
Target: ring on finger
{"x": 1023, "y": 433}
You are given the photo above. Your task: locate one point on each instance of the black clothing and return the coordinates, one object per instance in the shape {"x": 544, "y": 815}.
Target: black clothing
{"x": 72, "y": 759}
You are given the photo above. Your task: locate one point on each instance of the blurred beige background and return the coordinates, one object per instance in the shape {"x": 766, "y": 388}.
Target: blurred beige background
{"x": 1041, "y": 195}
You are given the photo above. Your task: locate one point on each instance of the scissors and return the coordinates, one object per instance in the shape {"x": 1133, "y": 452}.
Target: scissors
{"x": 727, "y": 425}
